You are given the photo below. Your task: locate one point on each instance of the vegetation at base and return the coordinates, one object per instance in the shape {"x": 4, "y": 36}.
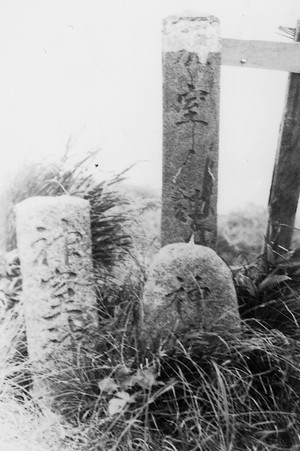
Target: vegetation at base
{"x": 211, "y": 393}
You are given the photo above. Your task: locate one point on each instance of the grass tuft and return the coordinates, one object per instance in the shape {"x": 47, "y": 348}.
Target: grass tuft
{"x": 212, "y": 392}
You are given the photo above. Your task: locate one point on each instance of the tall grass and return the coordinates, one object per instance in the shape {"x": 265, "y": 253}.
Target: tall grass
{"x": 215, "y": 393}
{"x": 212, "y": 392}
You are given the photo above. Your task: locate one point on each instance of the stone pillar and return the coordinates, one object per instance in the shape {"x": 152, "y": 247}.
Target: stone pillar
{"x": 191, "y": 88}
{"x": 54, "y": 242}
{"x": 189, "y": 289}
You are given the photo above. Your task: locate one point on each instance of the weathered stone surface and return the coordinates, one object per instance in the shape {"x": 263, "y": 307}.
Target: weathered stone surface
{"x": 191, "y": 89}
{"x": 189, "y": 288}
{"x": 54, "y": 245}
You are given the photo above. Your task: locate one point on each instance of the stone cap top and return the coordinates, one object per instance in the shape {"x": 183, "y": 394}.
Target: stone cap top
{"x": 51, "y": 201}
{"x": 193, "y": 34}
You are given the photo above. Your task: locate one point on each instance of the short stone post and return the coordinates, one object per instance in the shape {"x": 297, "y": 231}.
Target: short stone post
{"x": 189, "y": 290}
{"x": 191, "y": 73}
{"x": 54, "y": 242}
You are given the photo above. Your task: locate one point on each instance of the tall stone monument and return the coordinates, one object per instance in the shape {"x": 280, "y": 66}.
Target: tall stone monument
{"x": 191, "y": 88}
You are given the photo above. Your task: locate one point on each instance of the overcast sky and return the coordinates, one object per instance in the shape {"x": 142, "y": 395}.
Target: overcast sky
{"x": 91, "y": 70}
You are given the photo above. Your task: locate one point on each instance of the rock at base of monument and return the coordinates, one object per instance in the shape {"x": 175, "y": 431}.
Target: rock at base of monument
{"x": 189, "y": 290}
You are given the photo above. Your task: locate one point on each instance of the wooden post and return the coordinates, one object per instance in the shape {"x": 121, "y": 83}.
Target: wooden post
{"x": 285, "y": 188}
{"x": 191, "y": 74}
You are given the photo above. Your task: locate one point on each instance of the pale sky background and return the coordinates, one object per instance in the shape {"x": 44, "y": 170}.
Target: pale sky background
{"x": 91, "y": 70}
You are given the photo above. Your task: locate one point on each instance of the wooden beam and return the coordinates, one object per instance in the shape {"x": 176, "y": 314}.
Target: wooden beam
{"x": 285, "y": 188}
{"x": 284, "y": 56}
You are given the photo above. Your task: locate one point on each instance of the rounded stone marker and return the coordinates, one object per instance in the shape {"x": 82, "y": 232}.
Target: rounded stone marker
{"x": 189, "y": 289}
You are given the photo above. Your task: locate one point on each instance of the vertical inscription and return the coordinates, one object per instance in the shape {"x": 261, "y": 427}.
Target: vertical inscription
{"x": 55, "y": 253}
{"x": 190, "y": 138}
{"x": 62, "y": 281}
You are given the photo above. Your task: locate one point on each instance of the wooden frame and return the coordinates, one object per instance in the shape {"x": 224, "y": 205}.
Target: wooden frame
{"x": 261, "y": 54}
